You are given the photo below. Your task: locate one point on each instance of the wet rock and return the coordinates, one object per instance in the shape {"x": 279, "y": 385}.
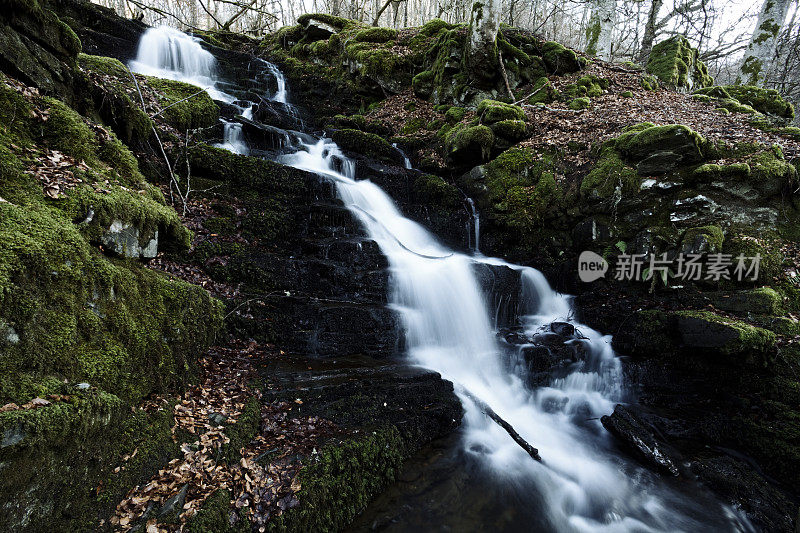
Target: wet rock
{"x": 637, "y": 436}
{"x": 502, "y": 286}
{"x": 564, "y": 329}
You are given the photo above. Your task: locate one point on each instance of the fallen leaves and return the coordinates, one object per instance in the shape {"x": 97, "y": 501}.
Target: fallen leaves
{"x": 263, "y": 483}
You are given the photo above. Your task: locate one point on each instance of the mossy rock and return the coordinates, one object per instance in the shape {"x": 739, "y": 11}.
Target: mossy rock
{"x": 610, "y": 176}
{"x": 199, "y": 111}
{"x": 766, "y": 246}
{"x": 589, "y": 85}
{"x": 467, "y": 145}
{"x": 578, "y": 104}
{"x": 510, "y": 130}
{"x": 339, "y": 23}
{"x": 704, "y": 330}
{"x": 735, "y": 106}
{"x": 715, "y": 91}
{"x": 558, "y": 59}
{"x": 649, "y": 82}
{"x": 544, "y": 92}
{"x": 376, "y": 35}
{"x": 367, "y": 144}
{"x": 454, "y": 114}
{"x": 67, "y": 131}
{"x": 626, "y": 94}
{"x": 661, "y": 149}
{"x": 771, "y": 173}
{"x": 676, "y": 63}
{"x": 433, "y": 190}
{"x": 704, "y": 239}
{"x": 112, "y": 100}
{"x": 709, "y": 172}
{"x": 767, "y": 101}
{"x": 491, "y": 111}
{"x": 760, "y": 301}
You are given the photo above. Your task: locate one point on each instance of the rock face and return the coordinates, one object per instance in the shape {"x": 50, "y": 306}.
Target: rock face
{"x": 38, "y": 48}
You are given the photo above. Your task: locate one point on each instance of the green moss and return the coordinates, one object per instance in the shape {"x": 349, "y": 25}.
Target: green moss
{"x": 649, "y": 82}
{"x": 715, "y": 91}
{"x": 734, "y": 106}
{"x": 512, "y": 130}
{"x": 626, "y": 94}
{"x": 680, "y": 139}
{"x": 243, "y": 431}
{"x": 579, "y": 103}
{"x": 215, "y": 516}
{"x": 609, "y": 175}
{"x": 736, "y": 337}
{"x": 711, "y": 236}
{"x": 413, "y": 126}
{"x": 760, "y": 301}
{"x": 199, "y": 111}
{"x": 676, "y": 63}
{"x": 491, "y": 111}
{"x": 454, "y": 114}
{"x": 368, "y": 144}
{"x": 765, "y": 245}
{"x": 762, "y": 100}
{"x": 589, "y": 85}
{"x": 376, "y": 35}
{"x": 711, "y": 172}
{"x": 544, "y": 92}
{"x": 67, "y": 131}
{"x": 433, "y": 27}
{"x": 463, "y": 138}
{"x": 559, "y": 60}
{"x": 339, "y": 481}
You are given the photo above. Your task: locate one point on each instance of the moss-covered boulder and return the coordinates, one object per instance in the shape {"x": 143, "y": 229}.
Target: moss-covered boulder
{"x": 610, "y": 176}
{"x": 767, "y": 101}
{"x": 661, "y": 149}
{"x": 560, "y": 60}
{"x": 700, "y": 240}
{"x": 676, "y": 63}
{"x": 760, "y": 301}
{"x": 468, "y": 145}
{"x": 367, "y": 144}
{"x": 589, "y": 85}
{"x": 491, "y": 111}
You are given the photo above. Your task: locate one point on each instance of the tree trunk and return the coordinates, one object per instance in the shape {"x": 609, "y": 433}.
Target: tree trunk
{"x": 761, "y": 49}
{"x": 649, "y": 32}
{"x": 600, "y": 28}
{"x": 484, "y": 23}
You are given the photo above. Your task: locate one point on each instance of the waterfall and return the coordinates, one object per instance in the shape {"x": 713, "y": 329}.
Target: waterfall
{"x": 583, "y": 483}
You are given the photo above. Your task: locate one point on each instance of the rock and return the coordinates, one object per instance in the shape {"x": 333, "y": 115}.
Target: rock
{"x": 217, "y": 419}
{"x": 174, "y": 505}
{"x": 659, "y": 149}
{"x": 564, "y": 329}
{"x": 704, "y": 330}
{"x": 122, "y": 239}
{"x": 638, "y": 438}
{"x": 83, "y": 386}
{"x": 706, "y": 239}
{"x": 502, "y": 287}
{"x": 676, "y": 63}
{"x": 559, "y": 60}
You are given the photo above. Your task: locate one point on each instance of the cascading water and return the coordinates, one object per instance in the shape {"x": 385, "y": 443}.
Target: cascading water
{"x": 582, "y": 484}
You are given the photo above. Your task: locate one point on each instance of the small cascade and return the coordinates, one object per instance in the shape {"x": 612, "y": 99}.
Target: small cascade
{"x": 406, "y": 160}
{"x": 165, "y": 52}
{"x": 475, "y": 245}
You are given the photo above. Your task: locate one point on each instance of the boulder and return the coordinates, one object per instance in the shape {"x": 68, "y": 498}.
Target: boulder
{"x": 123, "y": 239}
{"x": 660, "y": 149}
{"x": 676, "y": 63}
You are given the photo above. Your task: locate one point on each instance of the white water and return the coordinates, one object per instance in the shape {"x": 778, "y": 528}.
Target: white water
{"x": 585, "y": 486}
{"x": 447, "y": 326}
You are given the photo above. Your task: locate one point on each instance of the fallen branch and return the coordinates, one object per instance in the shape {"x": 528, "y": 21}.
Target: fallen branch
{"x": 534, "y": 92}
{"x": 488, "y": 411}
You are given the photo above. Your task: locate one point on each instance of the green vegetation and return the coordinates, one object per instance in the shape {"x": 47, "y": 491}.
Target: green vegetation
{"x": 197, "y": 110}
{"x": 676, "y": 63}
{"x": 491, "y": 111}
{"x": 609, "y": 175}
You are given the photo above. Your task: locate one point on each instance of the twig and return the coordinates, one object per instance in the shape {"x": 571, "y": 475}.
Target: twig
{"x": 505, "y": 75}
{"x": 488, "y": 411}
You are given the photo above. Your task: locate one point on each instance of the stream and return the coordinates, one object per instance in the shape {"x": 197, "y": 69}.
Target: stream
{"x": 479, "y": 479}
